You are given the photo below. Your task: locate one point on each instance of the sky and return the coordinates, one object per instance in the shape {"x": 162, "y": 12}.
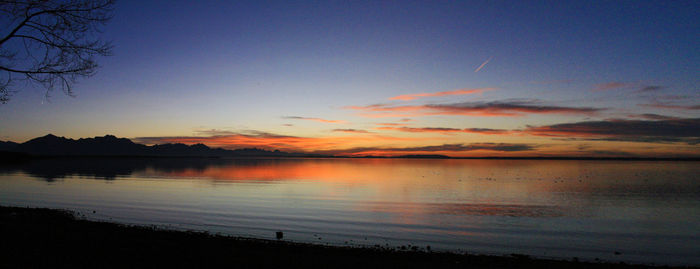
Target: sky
{"x": 459, "y": 78}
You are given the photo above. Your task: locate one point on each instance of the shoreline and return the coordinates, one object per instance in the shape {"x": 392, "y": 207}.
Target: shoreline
{"x": 14, "y": 157}
{"x": 42, "y": 238}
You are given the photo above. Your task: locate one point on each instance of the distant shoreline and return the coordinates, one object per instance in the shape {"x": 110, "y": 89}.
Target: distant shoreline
{"x": 51, "y": 146}
{"x": 17, "y": 156}
{"x": 43, "y": 238}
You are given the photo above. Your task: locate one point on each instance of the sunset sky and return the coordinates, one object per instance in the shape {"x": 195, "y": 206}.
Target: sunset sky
{"x": 469, "y": 78}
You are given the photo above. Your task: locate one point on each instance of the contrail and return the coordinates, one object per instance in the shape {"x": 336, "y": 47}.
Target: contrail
{"x": 482, "y": 65}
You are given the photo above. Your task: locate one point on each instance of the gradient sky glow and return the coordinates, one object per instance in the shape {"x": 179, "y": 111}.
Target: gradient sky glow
{"x": 472, "y": 78}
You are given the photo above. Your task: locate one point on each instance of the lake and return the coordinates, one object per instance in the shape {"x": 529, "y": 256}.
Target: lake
{"x": 632, "y": 211}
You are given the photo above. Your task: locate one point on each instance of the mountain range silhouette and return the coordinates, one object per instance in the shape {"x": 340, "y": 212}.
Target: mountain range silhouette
{"x": 112, "y": 146}
{"x": 109, "y": 145}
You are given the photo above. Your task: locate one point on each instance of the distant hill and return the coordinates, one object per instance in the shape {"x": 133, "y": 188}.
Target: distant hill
{"x": 109, "y": 145}
{"x": 112, "y": 146}
{"x": 8, "y": 146}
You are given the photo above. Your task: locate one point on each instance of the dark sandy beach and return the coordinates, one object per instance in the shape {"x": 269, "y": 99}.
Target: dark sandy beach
{"x": 45, "y": 238}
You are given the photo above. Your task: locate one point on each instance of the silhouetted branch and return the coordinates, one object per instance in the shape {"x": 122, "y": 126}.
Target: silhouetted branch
{"x": 52, "y": 43}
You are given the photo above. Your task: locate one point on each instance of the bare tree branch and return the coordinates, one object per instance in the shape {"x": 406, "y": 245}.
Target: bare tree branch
{"x": 52, "y": 43}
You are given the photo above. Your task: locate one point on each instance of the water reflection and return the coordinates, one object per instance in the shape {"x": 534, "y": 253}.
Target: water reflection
{"x": 52, "y": 169}
{"x": 647, "y": 210}
{"x": 488, "y": 178}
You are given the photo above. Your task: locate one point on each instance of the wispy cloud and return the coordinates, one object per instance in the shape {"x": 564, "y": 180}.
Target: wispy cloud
{"x": 485, "y": 131}
{"x": 421, "y": 129}
{"x": 355, "y": 131}
{"x": 470, "y": 147}
{"x": 672, "y": 106}
{"x": 407, "y": 97}
{"x": 650, "y": 88}
{"x": 483, "y": 64}
{"x": 514, "y": 107}
{"x": 611, "y": 85}
{"x": 478, "y": 109}
{"x": 443, "y": 148}
{"x": 391, "y": 124}
{"x": 675, "y": 98}
{"x": 213, "y": 132}
{"x": 651, "y": 116}
{"x": 654, "y": 131}
{"x": 313, "y": 119}
{"x": 653, "y": 128}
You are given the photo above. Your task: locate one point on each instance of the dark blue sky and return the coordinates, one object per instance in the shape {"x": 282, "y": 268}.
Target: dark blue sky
{"x": 180, "y": 67}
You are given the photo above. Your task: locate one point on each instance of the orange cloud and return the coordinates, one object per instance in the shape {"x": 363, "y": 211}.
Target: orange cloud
{"x": 314, "y": 119}
{"x": 256, "y": 139}
{"x": 407, "y": 97}
{"x": 340, "y": 146}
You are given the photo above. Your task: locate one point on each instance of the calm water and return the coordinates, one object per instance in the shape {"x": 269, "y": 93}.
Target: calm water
{"x": 648, "y": 212}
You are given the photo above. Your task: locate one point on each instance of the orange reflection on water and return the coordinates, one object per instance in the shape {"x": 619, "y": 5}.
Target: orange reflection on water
{"x": 476, "y": 182}
{"x": 457, "y": 203}
{"x": 396, "y": 180}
